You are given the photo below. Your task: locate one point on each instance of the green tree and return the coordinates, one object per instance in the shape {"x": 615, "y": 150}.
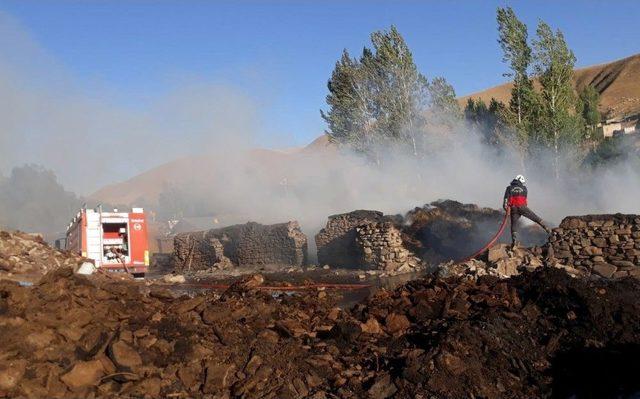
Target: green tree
{"x": 397, "y": 86}
{"x": 443, "y": 102}
{"x": 379, "y": 99}
{"x": 488, "y": 121}
{"x": 513, "y": 39}
{"x": 588, "y": 108}
{"x": 32, "y": 200}
{"x": 554, "y": 62}
{"x": 348, "y": 111}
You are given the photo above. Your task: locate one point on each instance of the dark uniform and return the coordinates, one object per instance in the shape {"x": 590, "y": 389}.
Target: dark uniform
{"x": 515, "y": 197}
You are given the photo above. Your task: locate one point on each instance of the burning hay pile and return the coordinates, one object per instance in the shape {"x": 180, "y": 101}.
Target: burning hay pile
{"x": 449, "y": 230}
{"x": 29, "y": 257}
{"x": 77, "y": 336}
{"x": 438, "y": 232}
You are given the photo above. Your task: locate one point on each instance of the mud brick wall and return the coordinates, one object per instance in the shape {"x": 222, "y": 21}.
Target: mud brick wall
{"x": 196, "y": 251}
{"x": 381, "y": 247}
{"x": 337, "y": 241}
{"x": 606, "y": 245}
{"x": 243, "y": 245}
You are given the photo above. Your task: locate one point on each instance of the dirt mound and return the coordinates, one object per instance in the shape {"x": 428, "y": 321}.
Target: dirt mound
{"x": 497, "y": 338}
{"x": 78, "y": 336}
{"x": 28, "y": 257}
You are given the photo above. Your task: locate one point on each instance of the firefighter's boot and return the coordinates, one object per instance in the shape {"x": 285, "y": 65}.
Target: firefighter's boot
{"x": 514, "y": 241}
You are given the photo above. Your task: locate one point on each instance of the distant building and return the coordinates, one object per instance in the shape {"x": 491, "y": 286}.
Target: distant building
{"x": 609, "y": 128}
{"x": 620, "y": 126}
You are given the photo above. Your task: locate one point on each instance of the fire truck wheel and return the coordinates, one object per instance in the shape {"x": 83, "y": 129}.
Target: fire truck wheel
{"x": 138, "y": 275}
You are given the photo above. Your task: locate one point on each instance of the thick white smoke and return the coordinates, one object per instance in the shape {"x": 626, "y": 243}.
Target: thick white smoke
{"x": 89, "y": 141}
{"x": 90, "y": 138}
{"x": 267, "y": 187}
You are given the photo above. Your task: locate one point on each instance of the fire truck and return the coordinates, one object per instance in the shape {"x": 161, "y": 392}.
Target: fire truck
{"x": 115, "y": 241}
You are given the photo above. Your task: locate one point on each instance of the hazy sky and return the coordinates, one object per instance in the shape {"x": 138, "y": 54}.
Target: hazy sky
{"x": 277, "y": 55}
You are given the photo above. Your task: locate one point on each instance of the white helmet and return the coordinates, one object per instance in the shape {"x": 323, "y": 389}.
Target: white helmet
{"x": 520, "y": 178}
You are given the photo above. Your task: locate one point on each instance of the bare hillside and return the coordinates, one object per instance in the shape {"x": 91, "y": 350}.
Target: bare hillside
{"x": 618, "y": 83}
{"x": 146, "y": 187}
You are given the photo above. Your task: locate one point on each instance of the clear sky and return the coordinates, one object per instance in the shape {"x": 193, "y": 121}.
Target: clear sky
{"x": 281, "y": 53}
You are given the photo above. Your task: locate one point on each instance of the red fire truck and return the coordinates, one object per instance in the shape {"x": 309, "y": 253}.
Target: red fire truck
{"x": 116, "y": 241}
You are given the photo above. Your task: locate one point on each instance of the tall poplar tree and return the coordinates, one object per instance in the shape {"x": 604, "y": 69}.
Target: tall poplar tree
{"x": 554, "y": 62}
{"x": 513, "y": 39}
{"x": 588, "y": 108}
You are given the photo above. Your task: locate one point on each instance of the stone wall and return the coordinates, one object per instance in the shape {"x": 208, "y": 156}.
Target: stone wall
{"x": 196, "y": 251}
{"x": 606, "y": 245}
{"x": 380, "y": 244}
{"x": 337, "y": 241}
{"x": 241, "y": 245}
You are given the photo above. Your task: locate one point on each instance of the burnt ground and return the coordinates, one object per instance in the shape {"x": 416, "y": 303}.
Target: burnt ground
{"x": 540, "y": 334}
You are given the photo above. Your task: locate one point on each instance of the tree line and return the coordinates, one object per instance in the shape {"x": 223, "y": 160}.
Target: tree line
{"x": 380, "y": 99}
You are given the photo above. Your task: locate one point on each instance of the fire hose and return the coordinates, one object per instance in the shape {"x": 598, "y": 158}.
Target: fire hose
{"x": 305, "y": 287}
{"x": 493, "y": 240}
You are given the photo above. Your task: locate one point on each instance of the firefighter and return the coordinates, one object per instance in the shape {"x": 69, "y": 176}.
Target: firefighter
{"x": 515, "y": 197}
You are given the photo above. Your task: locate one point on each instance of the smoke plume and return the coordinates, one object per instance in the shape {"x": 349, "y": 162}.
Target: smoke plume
{"x": 89, "y": 140}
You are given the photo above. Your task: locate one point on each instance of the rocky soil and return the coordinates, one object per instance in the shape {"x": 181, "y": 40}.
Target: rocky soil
{"x": 79, "y": 336}
{"x": 28, "y": 257}
{"x": 509, "y": 324}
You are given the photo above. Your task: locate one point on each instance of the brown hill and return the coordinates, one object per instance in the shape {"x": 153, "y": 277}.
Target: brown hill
{"x": 145, "y": 188}
{"x": 618, "y": 83}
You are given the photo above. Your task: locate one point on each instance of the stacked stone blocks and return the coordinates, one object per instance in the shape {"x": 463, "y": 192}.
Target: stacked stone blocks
{"x": 606, "y": 245}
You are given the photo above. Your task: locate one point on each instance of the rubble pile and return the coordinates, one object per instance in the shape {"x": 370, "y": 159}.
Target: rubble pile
{"x": 241, "y": 245}
{"x": 381, "y": 248}
{"x": 79, "y": 336}
{"x": 605, "y": 245}
{"x": 337, "y": 241}
{"x": 492, "y": 338}
{"x": 84, "y": 336}
{"x": 500, "y": 261}
{"x": 29, "y": 256}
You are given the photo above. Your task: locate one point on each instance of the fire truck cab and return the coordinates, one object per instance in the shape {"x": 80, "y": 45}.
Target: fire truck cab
{"x": 115, "y": 241}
